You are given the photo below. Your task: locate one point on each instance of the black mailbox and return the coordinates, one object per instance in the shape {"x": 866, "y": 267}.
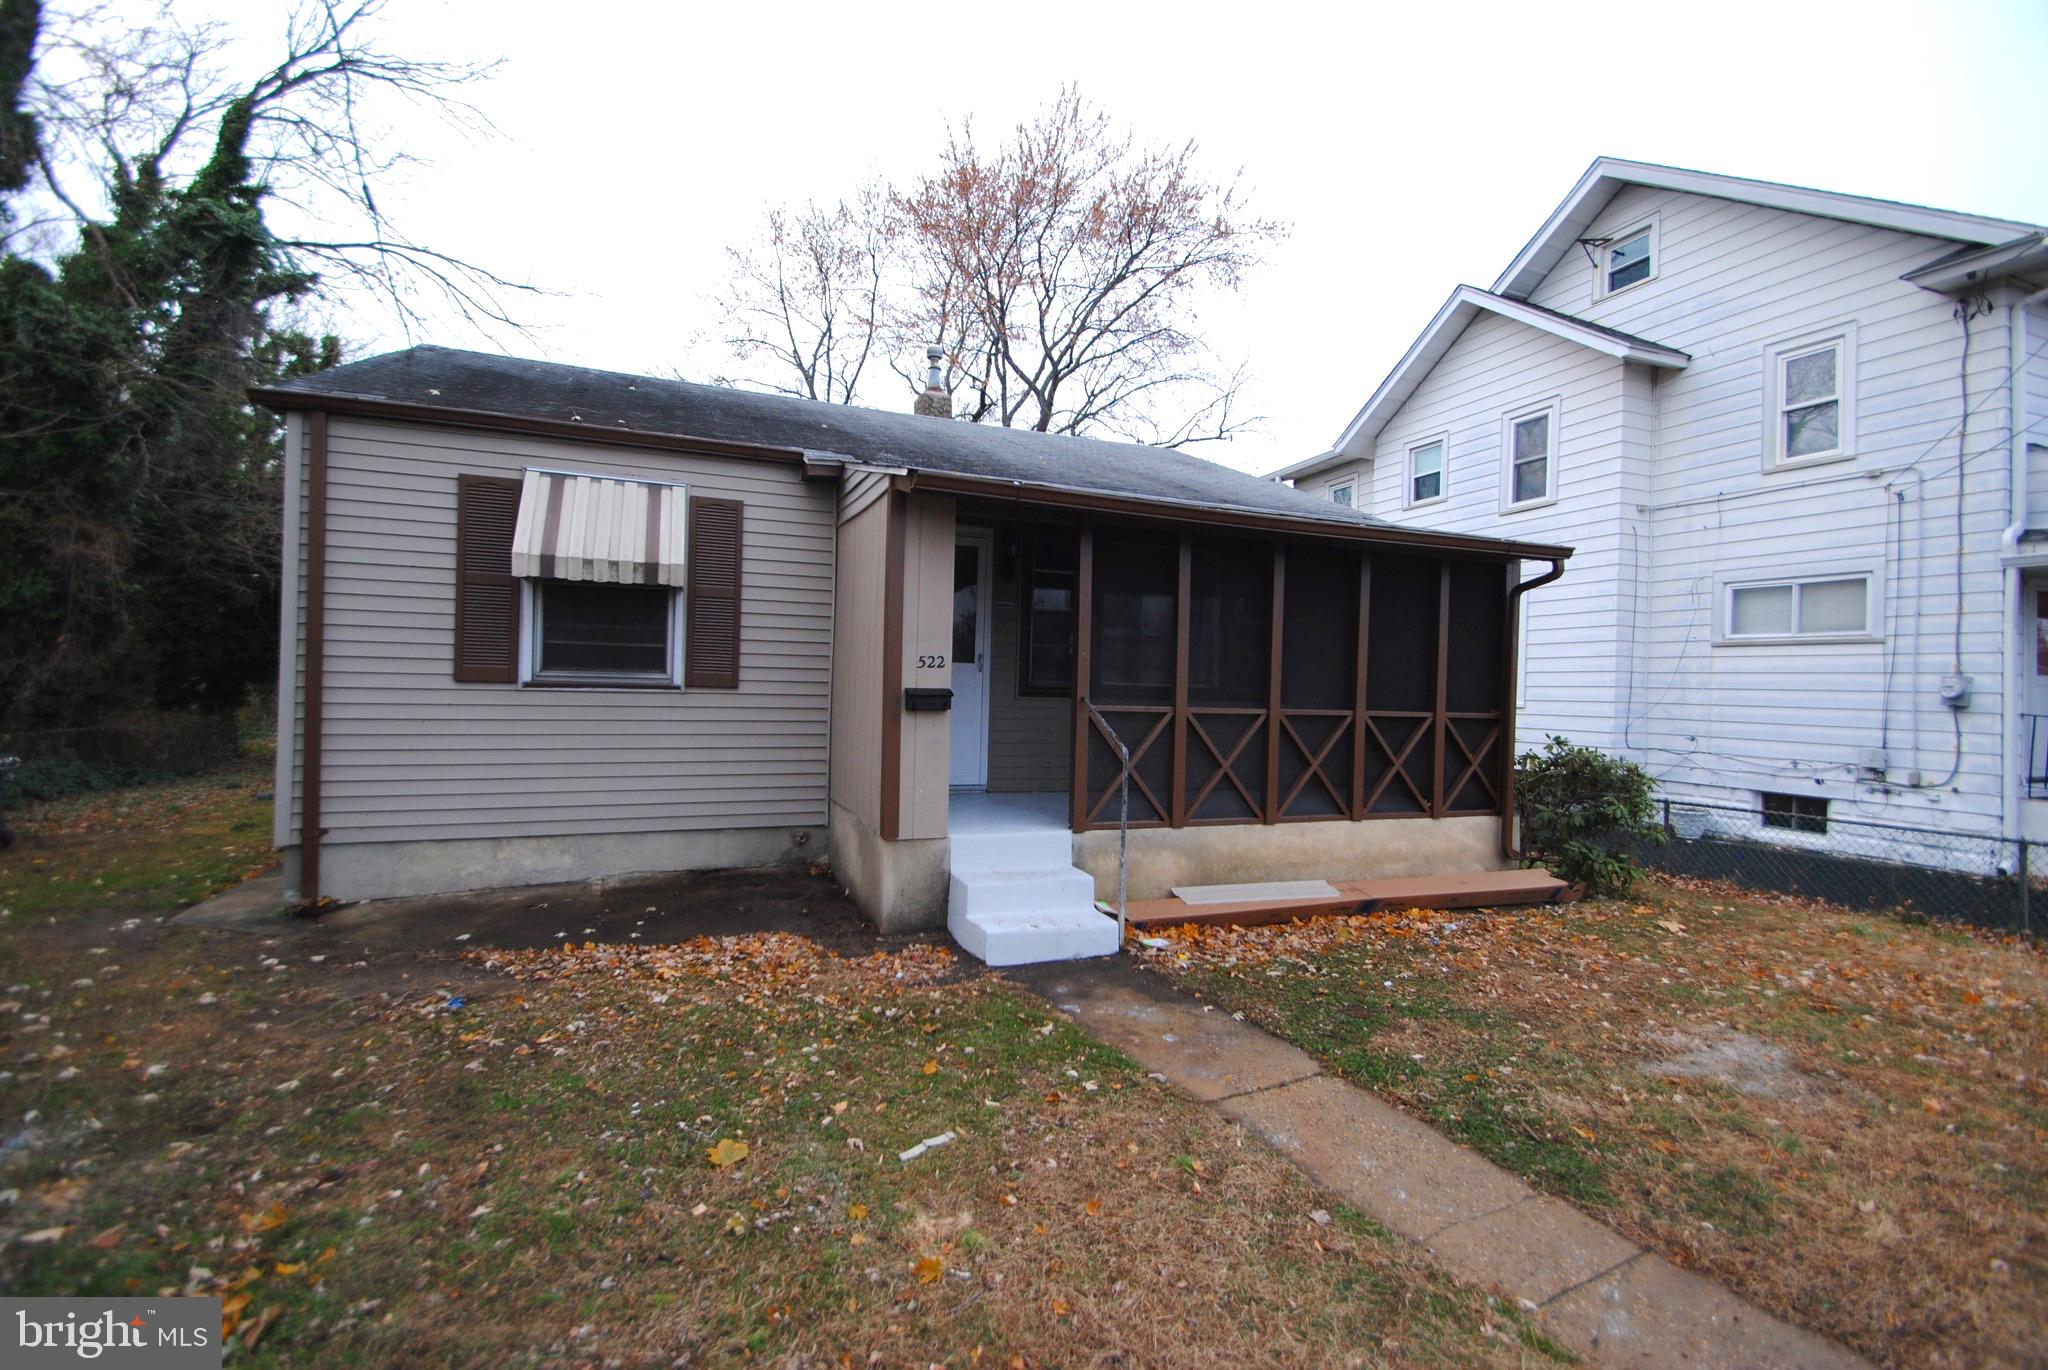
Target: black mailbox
{"x": 923, "y": 701}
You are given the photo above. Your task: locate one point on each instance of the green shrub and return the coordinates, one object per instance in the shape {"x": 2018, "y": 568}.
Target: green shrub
{"x": 1582, "y": 813}
{"x": 43, "y": 778}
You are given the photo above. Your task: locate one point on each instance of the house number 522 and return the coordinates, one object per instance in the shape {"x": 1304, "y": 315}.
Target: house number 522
{"x": 930, "y": 663}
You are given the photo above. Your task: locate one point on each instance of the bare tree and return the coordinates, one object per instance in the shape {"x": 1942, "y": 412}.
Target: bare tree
{"x": 130, "y": 113}
{"x": 806, "y": 302}
{"x": 1060, "y": 272}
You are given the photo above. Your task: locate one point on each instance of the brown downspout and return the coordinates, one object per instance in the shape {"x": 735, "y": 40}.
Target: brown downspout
{"x": 310, "y": 830}
{"x": 1507, "y": 706}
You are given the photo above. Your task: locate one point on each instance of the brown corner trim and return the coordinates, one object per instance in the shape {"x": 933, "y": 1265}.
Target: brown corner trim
{"x": 1512, "y": 638}
{"x": 310, "y": 830}
{"x": 895, "y": 517}
{"x": 1016, "y": 492}
{"x": 307, "y": 402}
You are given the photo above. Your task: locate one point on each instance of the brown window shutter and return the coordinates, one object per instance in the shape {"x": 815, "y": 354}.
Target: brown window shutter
{"x": 711, "y": 641}
{"x": 486, "y": 592}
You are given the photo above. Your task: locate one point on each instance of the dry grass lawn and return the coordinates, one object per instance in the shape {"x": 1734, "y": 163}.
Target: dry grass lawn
{"x": 644, "y": 1157}
{"x": 1841, "y": 1116}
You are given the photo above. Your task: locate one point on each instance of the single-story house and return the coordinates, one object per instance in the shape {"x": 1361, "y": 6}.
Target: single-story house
{"x": 545, "y": 623}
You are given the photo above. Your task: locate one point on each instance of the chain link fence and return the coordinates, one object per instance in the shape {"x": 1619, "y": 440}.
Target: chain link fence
{"x": 1981, "y": 878}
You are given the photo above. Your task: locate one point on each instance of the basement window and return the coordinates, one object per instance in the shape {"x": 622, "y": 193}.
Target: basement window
{"x": 1795, "y": 812}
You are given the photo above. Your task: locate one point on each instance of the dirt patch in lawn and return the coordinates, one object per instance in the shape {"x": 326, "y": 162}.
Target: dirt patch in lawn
{"x": 645, "y": 1153}
{"x": 1746, "y": 1064}
{"x": 1840, "y": 1115}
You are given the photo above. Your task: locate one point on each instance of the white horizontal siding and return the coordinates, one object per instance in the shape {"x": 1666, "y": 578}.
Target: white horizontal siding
{"x": 410, "y": 754}
{"x": 1727, "y": 721}
{"x": 1578, "y": 627}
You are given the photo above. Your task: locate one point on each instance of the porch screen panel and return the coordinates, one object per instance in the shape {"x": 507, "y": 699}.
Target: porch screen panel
{"x": 1230, "y": 641}
{"x": 1472, "y": 688}
{"x": 1400, "y": 686}
{"x": 1133, "y": 621}
{"x": 1318, "y": 666}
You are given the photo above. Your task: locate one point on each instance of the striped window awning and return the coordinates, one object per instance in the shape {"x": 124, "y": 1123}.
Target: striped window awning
{"x": 599, "y": 528}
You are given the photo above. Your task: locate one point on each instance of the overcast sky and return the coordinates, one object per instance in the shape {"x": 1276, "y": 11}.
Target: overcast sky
{"x": 1411, "y": 147}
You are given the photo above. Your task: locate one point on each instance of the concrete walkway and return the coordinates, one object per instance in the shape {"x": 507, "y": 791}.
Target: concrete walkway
{"x": 1593, "y": 1290}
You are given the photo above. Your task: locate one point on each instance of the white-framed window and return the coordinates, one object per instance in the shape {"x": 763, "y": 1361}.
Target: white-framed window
{"x": 602, "y": 635}
{"x": 1344, "y": 494}
{"x": 1529, "y": 456}
{"x": 1627, "y": 258}
{"x": 1426, "y": 475}
{"x": 1822, "y": 608}
{"x": 1810, "y": 399}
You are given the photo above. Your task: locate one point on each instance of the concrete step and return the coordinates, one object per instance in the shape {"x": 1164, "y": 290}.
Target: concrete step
{"x": 1035, "y": 848}
{"x": 1033, "y": 936}
{"x": 995, "y": 892}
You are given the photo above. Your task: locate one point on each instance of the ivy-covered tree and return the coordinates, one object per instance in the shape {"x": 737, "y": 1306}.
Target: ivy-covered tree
{"x": 143, "y": 289}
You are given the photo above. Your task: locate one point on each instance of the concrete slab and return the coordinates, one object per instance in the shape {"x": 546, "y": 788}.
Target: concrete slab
{"x": 1534, "y": 1250}
{"x": 1205, "y": 1052}
{"x": 255, "y": 904}
{"x": 1378, "y": 1158}
{"x": 1651, "y": 1314}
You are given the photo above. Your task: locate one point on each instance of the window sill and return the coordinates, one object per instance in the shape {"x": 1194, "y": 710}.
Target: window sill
{"x": 1602, "y": 296}
{"x": 1801, "y": 463}
{"x": 1529, "y": 504}
{"x": 1810, "y": 640}
{"x": 1427, "y": 503}
{"x": 597, "y": 683}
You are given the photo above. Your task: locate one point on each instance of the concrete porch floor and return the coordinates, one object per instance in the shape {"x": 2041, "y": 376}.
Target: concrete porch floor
{"x": 973, "y": 813}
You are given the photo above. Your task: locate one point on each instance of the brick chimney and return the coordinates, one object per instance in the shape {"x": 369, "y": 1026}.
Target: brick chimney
{"x": 934, "y": 401}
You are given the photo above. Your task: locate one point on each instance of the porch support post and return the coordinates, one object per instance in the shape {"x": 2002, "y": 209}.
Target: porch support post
{"x": 1441, "y": 724}
{"x": 1180, "y": 682}
{"x": 1084, "y": 661}
{"x": 1358, "y": 723}
{"x": 1273, "y": 729}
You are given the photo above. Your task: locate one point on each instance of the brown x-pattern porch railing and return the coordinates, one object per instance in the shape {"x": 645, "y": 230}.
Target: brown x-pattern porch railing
{"x": 1370, "y": 763}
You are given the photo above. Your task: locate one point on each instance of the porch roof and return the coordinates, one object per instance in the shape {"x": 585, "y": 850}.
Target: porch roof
{"x": 446, "y": 385}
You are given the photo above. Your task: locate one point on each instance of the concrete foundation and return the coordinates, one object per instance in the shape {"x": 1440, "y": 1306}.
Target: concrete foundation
{"x": 352, "y": 871}
{"x": 1238, "y": 853}
{"x": 900, "y": 885}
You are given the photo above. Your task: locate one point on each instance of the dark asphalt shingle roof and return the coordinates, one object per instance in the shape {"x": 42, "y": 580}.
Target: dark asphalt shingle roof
{"x": 446, "y": 378}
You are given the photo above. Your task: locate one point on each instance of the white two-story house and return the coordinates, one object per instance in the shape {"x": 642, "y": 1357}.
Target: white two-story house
{"x": 1800, "y": 442}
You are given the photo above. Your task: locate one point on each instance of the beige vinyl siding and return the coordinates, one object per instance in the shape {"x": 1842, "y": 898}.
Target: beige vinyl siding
{"x": 412, "y": 755}
{"x": 857, "y": 663}
{"x": 1030, "y": 737}
{"x": 928, "y": 541}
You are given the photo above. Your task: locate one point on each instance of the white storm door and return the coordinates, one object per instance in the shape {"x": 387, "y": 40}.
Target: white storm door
{"x": 971, "y": 553}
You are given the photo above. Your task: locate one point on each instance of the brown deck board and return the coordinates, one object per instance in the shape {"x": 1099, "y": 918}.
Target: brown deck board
{"x": 1479, "y": 890}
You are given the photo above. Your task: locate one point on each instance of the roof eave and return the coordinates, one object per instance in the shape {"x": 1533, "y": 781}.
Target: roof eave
{"x": 1608, "y": 174}
{"x": 2023, "y": 256}
{"x": 1184, "y": 511}
{"x": 1465, "y": 302}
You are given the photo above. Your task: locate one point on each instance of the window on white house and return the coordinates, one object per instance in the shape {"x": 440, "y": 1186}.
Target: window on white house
{"x": 1629, "y": 260}
{"x": 1426, "y": 472}
{"x": 591, "y": 633}
{"x": 1810, "y": 402}
{"x": 1810, "y": 407}
{"x": 1341, "y": 494}
{"x": 1529, "y": 444}
{"x": 1838, "y": 606}
{"x": 1795, "y": 812}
